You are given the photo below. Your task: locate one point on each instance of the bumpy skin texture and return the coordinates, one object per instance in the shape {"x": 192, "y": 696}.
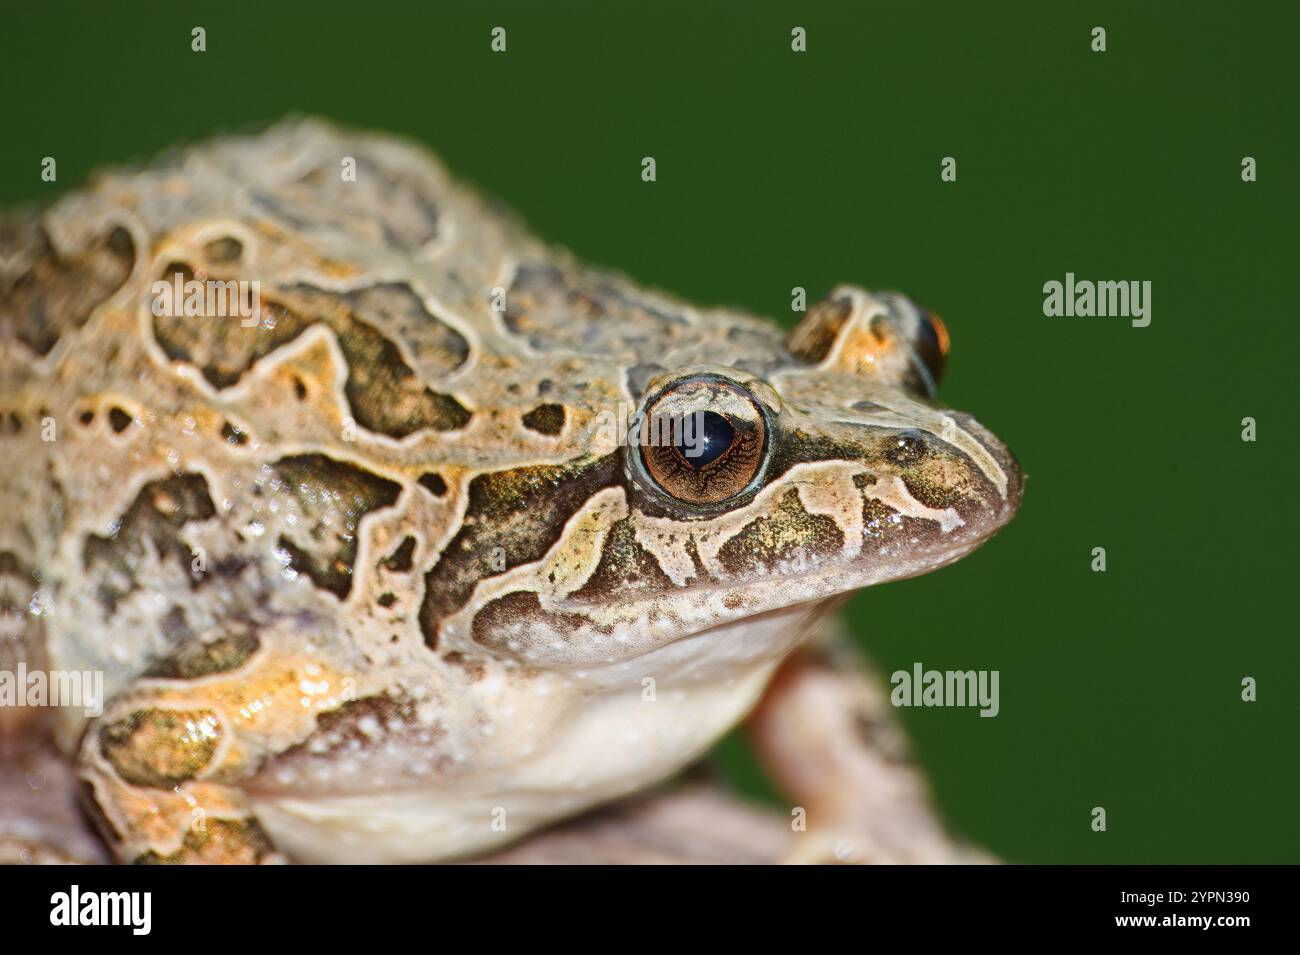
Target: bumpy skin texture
{"x": 375, "y": 579}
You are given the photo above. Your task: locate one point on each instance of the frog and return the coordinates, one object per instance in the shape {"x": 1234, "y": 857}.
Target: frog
{"x": 397, "y": 533}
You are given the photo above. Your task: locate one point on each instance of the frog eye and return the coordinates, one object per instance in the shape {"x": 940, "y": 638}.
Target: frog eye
{"x": 931, "y": 344}
{"x": 701, "y": 440}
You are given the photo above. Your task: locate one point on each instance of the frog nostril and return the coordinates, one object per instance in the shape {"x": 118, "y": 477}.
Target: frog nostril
{"x": 906, "y": 449}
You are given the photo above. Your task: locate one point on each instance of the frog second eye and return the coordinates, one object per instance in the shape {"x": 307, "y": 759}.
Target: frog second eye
{"x": 932, "y": 344}
{"x": 701, "y": 440}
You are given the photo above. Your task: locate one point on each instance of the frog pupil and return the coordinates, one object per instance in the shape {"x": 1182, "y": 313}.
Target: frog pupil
{"x": 713, "y": 436}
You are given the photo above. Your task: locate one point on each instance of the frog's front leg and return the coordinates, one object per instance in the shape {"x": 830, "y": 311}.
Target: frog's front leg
{"x": 163, "y": 765}
{"x": 827, "y": 734}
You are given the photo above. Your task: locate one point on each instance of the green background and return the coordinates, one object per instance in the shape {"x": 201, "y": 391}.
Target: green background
{"x": 778, "y": 169}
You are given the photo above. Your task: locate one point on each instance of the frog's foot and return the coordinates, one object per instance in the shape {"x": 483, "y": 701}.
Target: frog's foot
{"x": 826, "y": 733}
{"x": 164, "y": 766}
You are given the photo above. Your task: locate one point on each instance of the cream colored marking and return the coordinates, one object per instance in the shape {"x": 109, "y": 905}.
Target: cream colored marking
{"x": 666, "y": 541}
{"x": 893, "y": 492}
{"x": 855, "y": 327}
{"x": 838, "y": 498}
{"x": 572, "y": 559}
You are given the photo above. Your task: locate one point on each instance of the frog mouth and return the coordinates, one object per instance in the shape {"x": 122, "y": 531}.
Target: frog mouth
{"x": 724, "y": 625}
{"x": 839, "y": 580}
{"x": 832, "y": 576}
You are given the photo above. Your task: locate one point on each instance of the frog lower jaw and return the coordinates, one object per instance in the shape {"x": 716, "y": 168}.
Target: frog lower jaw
{"x": 715, "y": 652}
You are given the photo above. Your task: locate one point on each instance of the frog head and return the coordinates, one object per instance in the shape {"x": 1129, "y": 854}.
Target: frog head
{"x": 755, "y": 489}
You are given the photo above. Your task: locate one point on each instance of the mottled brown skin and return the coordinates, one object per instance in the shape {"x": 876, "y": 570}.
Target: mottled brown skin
{"x": 376, "y": 573}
